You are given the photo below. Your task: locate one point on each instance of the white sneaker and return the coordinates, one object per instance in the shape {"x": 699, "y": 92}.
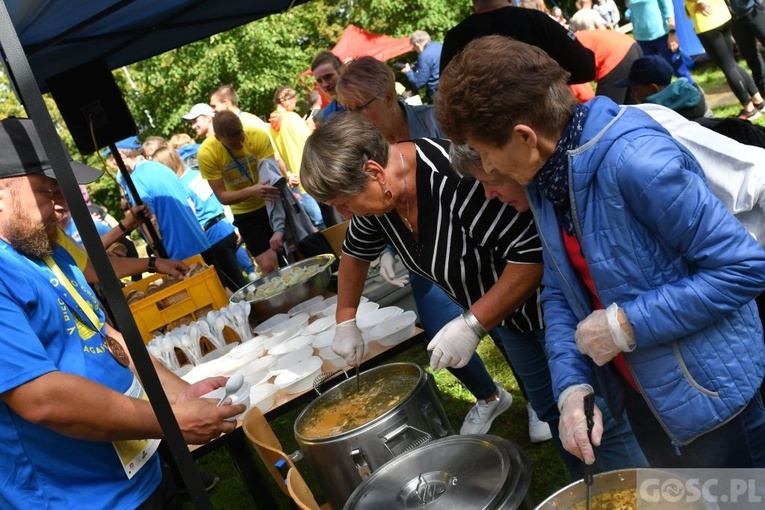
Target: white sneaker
{"x": 252, "y": 276}
{"x": 479, "y": 418}
{"x": 538, "y": 430}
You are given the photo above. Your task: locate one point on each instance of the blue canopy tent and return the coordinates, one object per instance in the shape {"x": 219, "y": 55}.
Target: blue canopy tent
{"x": 42, "y": 39}
{"x": 59, "y": 35}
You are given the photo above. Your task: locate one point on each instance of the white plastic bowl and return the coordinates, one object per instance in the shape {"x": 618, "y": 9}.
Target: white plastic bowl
{"x": 300, "y": 376}
{"x": 331, "y": 309}
{"x": 286, "y": 329}
{"x": 289, "y": 360}
{"x": 328, "y": 354}
{"x": 318, "y": 325}
{"x": 262, "y": 396}
{"x": 317, "y": 308}
{"x": 305, "y": 305}
{"x": 291, "y": 345}
{"x": 218, "y": 353}
{"x": 249, "y": 350}
{"x": 256, "y": 377}
{"x": 324, "y": 339}
{"x": 366, "y": 308}
{"x": 395, "y": 330}
{"x": 370, "y": 320}
{"x": 262, "y": 363}
{"x": 264, "y": 327}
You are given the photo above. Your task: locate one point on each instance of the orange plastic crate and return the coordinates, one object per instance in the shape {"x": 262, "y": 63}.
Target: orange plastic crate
{"x": 190, "y": 300}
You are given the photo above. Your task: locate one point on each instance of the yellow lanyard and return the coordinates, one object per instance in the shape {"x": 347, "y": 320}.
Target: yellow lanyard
{"x": 86, "y": 307}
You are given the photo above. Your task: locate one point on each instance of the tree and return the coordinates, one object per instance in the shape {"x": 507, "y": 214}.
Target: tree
{"x": 256, "y": 59}
{"x": 261, "y": 56}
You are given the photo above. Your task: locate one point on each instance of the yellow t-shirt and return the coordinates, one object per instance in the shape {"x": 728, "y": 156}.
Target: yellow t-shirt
{"x": 289, "y": 140}
{"x": 216, "y": 163}
{"x": 717, "y": 18}
{"x": 78, "y": 254}
{"x": 253, "y": 121}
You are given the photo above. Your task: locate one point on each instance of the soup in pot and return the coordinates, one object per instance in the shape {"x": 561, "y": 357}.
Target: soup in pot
{"x": 627, "y": 499}
{"x": 349, "y": 409}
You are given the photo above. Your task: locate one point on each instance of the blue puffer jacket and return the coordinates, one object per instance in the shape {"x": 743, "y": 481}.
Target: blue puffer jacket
{"x": 661, "y": 246}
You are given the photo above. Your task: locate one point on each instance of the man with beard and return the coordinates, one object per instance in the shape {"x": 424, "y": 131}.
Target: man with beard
{"x": 73, "y": 417}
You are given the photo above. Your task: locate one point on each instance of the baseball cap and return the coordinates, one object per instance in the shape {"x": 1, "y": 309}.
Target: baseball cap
{"x": 199, "y": 109}
{"x": 647, "y": 70}
{"x": 22, "y": 153}
{"x": 131, "y": 142}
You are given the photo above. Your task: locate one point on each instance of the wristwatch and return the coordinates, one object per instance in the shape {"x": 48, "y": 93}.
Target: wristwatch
{"x": 672, "y": 31}
{"x": 152, "y": 264}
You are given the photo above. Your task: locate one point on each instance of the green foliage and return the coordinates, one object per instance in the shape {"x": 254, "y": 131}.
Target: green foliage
{"x": 260, "y": 57}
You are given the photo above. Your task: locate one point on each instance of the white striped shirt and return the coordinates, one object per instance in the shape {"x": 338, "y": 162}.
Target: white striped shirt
{"x": 465, "y": 240}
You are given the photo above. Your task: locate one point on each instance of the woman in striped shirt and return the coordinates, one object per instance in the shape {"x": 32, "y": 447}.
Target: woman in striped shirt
{"x": 484, "y": 254}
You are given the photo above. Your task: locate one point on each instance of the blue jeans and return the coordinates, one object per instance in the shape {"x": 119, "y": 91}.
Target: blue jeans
{"x": 618, "y": 449}
{"x": 435, "y": 309}
{"x": 245, "y": 262}
{"x": 311, "y": 207}
{"x": 659, "y": 47}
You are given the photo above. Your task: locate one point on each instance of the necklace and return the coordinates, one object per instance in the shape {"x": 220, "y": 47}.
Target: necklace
{"x": 406, "y": 192}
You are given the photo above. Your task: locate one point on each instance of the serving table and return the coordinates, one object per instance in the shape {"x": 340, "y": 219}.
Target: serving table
{"x": 236, "y": 444}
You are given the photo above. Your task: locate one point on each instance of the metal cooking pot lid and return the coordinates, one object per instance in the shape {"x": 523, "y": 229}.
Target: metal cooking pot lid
{"x": 470, "y": 471}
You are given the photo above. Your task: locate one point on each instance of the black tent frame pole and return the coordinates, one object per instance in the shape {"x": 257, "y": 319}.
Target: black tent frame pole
{"x": 156, "y": 241}
{"x": 17, "y": 65}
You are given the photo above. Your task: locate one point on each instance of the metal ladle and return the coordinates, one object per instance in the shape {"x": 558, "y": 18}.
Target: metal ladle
{"x": 589, "y": 410}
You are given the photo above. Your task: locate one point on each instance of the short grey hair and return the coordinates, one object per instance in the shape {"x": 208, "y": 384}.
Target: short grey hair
{"x": 464, "y": 159}
{"x": 419, "y": 36}
{"x": 335, "y": 155}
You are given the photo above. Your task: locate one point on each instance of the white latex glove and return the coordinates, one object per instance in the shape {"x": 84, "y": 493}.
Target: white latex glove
{"x": 601, "y": 335}
{"x": 388, "y": 270}
{"x": 348, "y": 343}
{"x": 573, "y": 423}
{"x": 453, "y": 346}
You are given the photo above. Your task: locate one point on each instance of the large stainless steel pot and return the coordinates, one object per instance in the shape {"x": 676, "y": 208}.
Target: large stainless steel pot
{"x": 342, "y": 461}
{"x": 575, "y": 493}
{"x": 476, "y": 472}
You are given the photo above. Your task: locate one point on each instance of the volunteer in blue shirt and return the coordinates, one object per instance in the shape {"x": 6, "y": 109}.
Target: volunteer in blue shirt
{"x": 219, "y": 230}
{"x": 169, "y": 201}
{"x": 76, "y": 428}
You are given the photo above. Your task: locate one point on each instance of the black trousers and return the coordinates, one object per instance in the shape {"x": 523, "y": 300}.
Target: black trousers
{"x": 747, "y": 30}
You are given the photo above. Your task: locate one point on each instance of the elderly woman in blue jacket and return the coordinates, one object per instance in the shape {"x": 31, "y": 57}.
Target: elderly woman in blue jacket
{"x": 649, "y": 280}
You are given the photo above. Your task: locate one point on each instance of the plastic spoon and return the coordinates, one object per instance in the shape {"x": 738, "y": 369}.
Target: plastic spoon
{"x": 233, "y": 385}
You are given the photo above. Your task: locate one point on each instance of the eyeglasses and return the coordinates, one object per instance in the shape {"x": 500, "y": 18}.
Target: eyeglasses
{"x": 363, "y": 106}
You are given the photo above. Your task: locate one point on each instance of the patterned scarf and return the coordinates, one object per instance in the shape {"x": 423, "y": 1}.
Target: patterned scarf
{"x": 553, "y": 178}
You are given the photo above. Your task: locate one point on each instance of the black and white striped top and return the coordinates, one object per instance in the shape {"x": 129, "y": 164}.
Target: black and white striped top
{"x": 465, "y": 240}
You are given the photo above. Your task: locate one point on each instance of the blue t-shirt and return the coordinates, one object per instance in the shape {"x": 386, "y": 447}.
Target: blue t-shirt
{"x": 71, "y": 230}
{"x": 206, "y": 205}
{"x": 170, "y": 201}
{"x": 42, "y": 468}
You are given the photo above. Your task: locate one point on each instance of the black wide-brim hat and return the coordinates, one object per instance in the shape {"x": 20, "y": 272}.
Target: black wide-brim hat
{"x": 22, "y": 153}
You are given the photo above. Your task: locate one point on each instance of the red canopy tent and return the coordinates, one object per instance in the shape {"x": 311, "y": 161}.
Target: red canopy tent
{"x": 356, "y": 42}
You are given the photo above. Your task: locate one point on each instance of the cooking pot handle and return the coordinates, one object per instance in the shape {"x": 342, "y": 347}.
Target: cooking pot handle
{"x": 404, "y": 438}
{"x": 360, "y": 462}
{"x": 429, "y": 411}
